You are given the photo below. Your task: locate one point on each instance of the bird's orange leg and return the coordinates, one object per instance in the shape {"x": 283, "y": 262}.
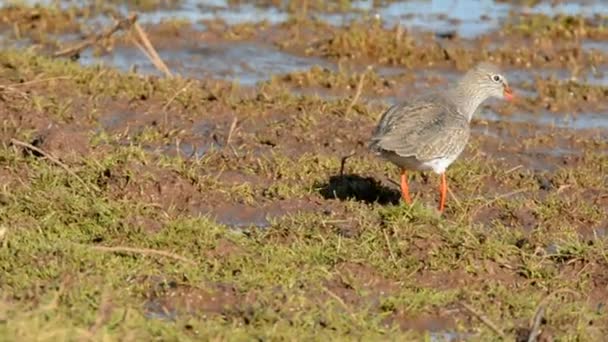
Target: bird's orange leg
{"x": 405, "y": 190}
{"x": 443, "y": 190}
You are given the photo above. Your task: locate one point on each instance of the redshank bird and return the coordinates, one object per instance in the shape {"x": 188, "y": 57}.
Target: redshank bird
{"x": 427, "y": 133}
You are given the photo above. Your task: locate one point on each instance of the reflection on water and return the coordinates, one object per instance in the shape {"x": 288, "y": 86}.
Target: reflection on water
{"x": 468, "y": 18}
{"x": 245, "y": 63}
{"x": 578, "y": 121}
{"x": 250, "y": 63}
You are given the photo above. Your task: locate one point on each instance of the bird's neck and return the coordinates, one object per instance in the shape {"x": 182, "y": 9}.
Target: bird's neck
{"x": 466, "y": 99}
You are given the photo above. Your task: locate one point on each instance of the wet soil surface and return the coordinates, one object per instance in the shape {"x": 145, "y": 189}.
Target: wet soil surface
{"x": 262, "y": 131}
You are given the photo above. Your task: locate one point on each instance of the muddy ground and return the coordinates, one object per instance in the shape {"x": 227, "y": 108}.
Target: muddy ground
{"x": 238, "y": 200}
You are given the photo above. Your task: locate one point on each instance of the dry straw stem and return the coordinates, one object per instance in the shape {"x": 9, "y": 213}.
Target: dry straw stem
{"x": 535, "y": 329}
{"x": 144, "y": 251}
{"x": 103, "y": 312}
{"x": 14, "y": 87}
{"x": 231, "y": 130}
{"x": 42, "y": 80}
{"x": 183, "y": 89}
{"x": 166, "y": 106}
{"x": 336, "y": 297}
{"x": 53, "y": 160}
{"x": 484, "y": 319}
{"x": 536, "y": 320}
{"x": 357, "y": 92}
{"x": 123, "y": 24}
{"x": 455, "y": 198}
{"x": 390, "y": 249}
{"x": 148, "y": 49}
{"x": 497, "y": 198}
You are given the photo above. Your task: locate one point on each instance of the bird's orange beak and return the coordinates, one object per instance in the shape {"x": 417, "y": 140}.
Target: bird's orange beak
{"x": 508, "y": 93}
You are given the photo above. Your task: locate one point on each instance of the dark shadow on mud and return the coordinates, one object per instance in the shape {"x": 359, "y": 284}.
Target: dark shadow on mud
{"x": 363, "y": 189}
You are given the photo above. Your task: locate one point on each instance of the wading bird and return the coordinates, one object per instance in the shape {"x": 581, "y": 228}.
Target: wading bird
{"x": 429, "y": 132}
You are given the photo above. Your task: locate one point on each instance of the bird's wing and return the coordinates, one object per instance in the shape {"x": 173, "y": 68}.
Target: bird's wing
{"x": 425, "y": 130}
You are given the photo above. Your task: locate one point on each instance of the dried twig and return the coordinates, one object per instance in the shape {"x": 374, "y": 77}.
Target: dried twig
{"x": 14, "y": 90}
{"x": 508, "y": 194}
{"x": 336, "y": 297}
{"x": 122, "y": 24}
{"x": 357, "y": 94}
{"x": 390, "y": 249}
{"x": 144, "y": 251}
{"x": 540, "y": 311}
{"x": 53, "y": 160}
{"x": 454, "y": 197}
{"x": 14, "y": 87}
{"x": 563, "y": 187}
{"x": 176, "y": 95}
{"x": 231, "y": 130}
{"x": 535, "y": 329}
{"x": 166, "y": 106}
{"x": 16, "y": 31}
{"x": 398, "y": 32}
{"x": 499, "y": 197}
{"x": 514, "y": 169}
{"x": 149, "y": 50}
{"x": 103, "y": 311}
{"x": 42, "y": 80}
{"x": 395, "y": 183}
{"x": 483, "y": 318}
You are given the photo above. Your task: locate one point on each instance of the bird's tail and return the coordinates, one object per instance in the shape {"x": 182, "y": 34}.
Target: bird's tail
{"x": 374, "y": 145}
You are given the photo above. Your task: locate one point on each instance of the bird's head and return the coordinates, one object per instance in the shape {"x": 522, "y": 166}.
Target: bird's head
{"x": 489, "y": 81}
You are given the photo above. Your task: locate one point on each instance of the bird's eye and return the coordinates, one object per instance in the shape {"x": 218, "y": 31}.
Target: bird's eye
{"x": 496, "y": 78}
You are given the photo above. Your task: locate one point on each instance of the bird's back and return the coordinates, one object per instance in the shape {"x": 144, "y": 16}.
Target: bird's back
{"x": 426, "y": 128}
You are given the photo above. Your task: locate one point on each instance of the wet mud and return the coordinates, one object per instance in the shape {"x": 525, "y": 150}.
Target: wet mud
{"x": 263, "y": 136}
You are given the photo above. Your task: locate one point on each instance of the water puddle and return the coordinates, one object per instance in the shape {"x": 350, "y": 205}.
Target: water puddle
{"x": 245, "y": 63}
{"x": 183, "y": 150}
{"x": 448, "y": 336}
{"x": 197, "y": 12}
{"x": 577, "y": 7}
{"x": 473, "y": 18}
{"x": 117, "y": 120}
{"x": 130, "y": 125}
{"x": 194, "y": 11}
{"x": 595, "y": 77}
{"x": 156, "y": 310}
{"x": 242, "y": 216}
{"x": 169, "y": 300}
{"x": 467, "y": 18}
{"x": 251, "y": 63}
{"x": 582, "y": 121}
{"x": 595, "y": 45}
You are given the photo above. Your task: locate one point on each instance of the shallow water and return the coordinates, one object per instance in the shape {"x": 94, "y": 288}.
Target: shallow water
{"x": 468, "y": 18}
{"x": 197, "y": 11}
{"x": 195, "y": 136}
{"x": 245, "y": 63}
{"x": 577, "y": 121}
{"x": 250, "y": 63}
